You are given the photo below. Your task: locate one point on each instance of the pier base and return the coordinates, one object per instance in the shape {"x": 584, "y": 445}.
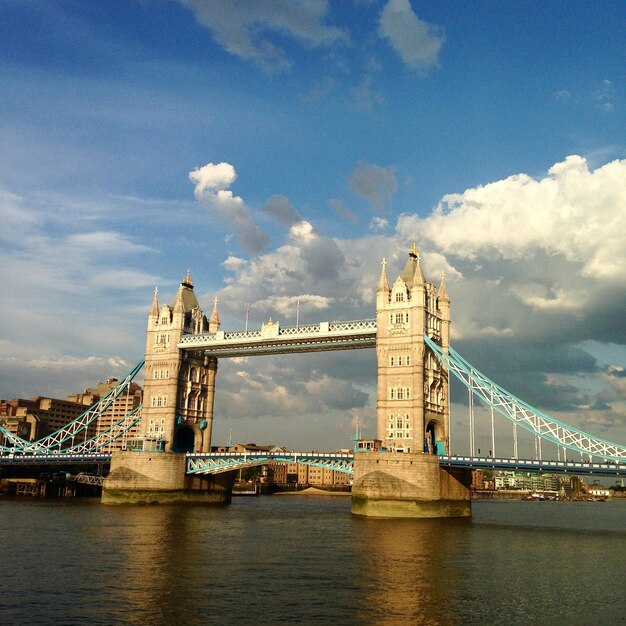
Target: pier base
{"x": 159, "y": 478}
{"x": 396, "y": 484}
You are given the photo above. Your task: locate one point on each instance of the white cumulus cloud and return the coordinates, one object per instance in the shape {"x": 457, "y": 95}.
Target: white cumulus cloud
{"x": 212, "y": 189}
{"x": 573, "y": 212}
{"x": 214, "y": 179}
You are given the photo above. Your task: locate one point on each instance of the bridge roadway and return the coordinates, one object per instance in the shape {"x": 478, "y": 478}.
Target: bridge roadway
{"x": 274, "y": 339}
{"x": 216, "y": 462}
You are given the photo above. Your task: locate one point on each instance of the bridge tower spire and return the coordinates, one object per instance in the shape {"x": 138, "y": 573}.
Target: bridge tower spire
{"x": 179, "y": 386}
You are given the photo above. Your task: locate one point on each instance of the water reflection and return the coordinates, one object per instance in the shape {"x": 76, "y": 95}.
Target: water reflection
{"x": 406, "y": 569}
{"x": 157, "y": 550}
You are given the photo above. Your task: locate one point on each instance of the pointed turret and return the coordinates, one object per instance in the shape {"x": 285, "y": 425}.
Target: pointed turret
{"x": 383, "y": 291}
{"x": 443, "y": 304}
{"x": 214, "y": 320}
{"x": 418, "y": 277}
{"x": 154, "y": 309}
{"x": 383, "y": 282}
{"x": 443, "y": 292}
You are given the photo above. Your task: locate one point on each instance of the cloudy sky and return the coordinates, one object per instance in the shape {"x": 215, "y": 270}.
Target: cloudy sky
{"x": 279, "y": 149}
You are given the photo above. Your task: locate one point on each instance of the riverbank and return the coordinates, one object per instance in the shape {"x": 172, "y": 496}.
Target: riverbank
{"x": 312, "y": 491}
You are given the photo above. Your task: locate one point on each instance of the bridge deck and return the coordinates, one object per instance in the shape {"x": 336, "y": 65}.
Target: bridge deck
{"x": 211, "y": 463}
{"x": 215, "y": 462}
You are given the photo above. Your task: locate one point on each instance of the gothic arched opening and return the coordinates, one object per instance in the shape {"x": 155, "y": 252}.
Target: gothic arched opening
{"x": 184, "y": 439}
{"x": 434, "y": 440}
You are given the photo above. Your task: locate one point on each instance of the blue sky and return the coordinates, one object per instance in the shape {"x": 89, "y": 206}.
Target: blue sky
{"x": 492, "y": 134}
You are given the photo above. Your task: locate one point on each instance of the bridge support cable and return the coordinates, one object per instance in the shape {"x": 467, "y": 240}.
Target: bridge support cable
{"x": 493, "y": 430}
{"x": 449, "y": 414}
{"x": 470, "y": 400}
{"x": 522, "y": 414}
{"x": 69, "y": 431}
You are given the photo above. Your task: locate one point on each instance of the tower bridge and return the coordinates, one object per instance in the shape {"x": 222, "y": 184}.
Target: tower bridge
{"x": 412, "y": 473}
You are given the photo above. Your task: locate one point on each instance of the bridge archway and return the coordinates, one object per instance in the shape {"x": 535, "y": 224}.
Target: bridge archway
{"x": 434, "y": 434}
{"x": 185, "y": 438}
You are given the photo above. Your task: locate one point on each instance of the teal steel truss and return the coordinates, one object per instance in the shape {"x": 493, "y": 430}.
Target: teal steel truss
{"x": 217, "y": 462}
{"x": 521, "y": 413}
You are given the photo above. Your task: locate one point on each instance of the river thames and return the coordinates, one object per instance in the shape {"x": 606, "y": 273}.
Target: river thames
{"x": 288, "y": 559}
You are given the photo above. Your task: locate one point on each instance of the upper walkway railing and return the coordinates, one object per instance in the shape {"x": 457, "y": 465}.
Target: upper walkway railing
{"x": 274, "y": 339}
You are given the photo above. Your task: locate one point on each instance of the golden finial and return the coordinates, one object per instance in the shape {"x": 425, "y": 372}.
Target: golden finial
{"x": 414, "y": 249}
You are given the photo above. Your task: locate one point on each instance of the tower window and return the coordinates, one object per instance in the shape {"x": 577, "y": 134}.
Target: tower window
{"x": 399, "y": 393}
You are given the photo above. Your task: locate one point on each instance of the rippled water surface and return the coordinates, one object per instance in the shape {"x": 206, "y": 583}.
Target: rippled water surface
{"x": 306, "y": 559}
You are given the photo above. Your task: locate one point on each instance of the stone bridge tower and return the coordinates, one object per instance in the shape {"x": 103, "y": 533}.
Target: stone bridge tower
{"x": 404, "y": 477}
{"x": 179, "y": 386}
{"x": 412, "y": 408}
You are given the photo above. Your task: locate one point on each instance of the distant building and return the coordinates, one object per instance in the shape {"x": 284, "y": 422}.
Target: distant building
{"x": 323, "y": 477}
{"x": 598, "y": 491}
{"x": 37, "y": 417}
{"x": 532, "y": 481}
{"x": 126, "y": 403}
{"x": 482, "y": 481}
